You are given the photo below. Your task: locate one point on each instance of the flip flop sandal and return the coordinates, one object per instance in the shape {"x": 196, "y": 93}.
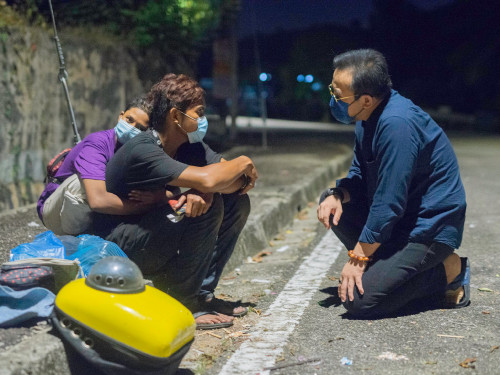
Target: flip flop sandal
{"x": 203, "y": 326}
{"x": 224, "y": 307}
{"x": 461, "y": 281}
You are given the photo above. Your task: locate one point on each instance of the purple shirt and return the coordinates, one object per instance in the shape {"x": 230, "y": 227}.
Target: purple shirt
{"x": 88, "y": 159}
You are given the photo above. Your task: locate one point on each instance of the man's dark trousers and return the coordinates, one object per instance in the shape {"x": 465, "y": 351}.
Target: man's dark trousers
{"x": 184, "y": 259}
{"x": 400, "y": 271}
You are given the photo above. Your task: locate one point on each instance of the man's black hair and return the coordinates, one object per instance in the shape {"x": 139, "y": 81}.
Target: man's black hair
{"x": 141, "y": 102}
{"x": 370, "y": 74}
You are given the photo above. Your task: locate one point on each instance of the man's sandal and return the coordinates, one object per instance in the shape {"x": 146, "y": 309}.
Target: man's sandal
{"x": 459, "y": 289}
{"x": 224, "y": 307}
{"x": 210, "y": 325}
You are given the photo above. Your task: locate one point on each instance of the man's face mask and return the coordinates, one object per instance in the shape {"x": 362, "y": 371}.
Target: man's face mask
{"x": 338, "y": 108}
{"x": 197, "y": 135}
{"x": 125, "y": 132}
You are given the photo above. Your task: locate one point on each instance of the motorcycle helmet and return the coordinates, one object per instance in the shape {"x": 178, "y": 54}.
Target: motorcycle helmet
{"x": 121, "y": 325}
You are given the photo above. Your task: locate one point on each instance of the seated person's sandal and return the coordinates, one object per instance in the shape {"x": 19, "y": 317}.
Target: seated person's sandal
{"x": 223, "y": 307}
{"x": 210, "y": 325}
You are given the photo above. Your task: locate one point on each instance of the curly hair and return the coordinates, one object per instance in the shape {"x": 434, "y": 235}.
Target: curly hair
{"x": 173, "y": 91}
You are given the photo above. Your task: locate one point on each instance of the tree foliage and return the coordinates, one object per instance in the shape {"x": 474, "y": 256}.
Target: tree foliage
{"x": 173, "y": 27}
{"x": 176, "y": 26}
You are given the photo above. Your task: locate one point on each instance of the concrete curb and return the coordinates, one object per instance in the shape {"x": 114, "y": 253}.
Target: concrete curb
{"x": 15, "y": 211}
{"x": 44, "y": 353}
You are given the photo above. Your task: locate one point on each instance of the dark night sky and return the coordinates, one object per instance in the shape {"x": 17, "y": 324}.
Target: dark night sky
{"x": 452, "y": 43}
{"x": 267, "y": 16}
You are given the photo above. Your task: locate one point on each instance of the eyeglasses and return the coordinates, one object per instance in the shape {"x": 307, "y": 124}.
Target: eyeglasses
{"x": 185, "y": 114}
{"x": 191, "y": 117}
{"x": 330, "y": 88}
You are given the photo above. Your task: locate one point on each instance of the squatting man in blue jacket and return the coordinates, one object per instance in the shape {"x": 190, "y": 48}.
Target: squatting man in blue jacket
{"x": 400, "y": 211}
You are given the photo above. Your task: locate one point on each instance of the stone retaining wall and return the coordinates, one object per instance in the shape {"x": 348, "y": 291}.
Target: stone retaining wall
{"x": 104, "y": 74}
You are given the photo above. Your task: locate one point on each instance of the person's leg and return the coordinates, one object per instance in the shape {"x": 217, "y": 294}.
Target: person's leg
{"x": 175, "y": 256}
{"x": 458, "y": 278}
{"x": 66, "y": 211}
{"x": 397, "y": 277}
{"x": 236, "y": 211}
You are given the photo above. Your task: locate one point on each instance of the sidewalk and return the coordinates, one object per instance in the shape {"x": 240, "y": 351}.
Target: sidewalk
{"x": 291, "y": 173}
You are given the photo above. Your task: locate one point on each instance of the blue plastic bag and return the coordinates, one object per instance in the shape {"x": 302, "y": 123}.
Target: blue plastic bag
{"x": 92, "y": 249}
{"x": 70, "y": 244}
{"x": 45, "y": 245}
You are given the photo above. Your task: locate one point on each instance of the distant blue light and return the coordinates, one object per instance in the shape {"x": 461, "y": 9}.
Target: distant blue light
{"x": 263, "y": 77}
{"x": 316, "y": 86}
{"x": 309, "y": 78}
{"x": 300, "y": 78}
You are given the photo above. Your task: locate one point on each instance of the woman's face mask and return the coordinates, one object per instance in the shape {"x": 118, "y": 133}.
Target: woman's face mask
{"x": 125, "y": 132}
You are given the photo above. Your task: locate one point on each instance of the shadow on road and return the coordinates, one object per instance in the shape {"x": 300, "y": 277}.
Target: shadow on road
{"x": 413, "y": 308}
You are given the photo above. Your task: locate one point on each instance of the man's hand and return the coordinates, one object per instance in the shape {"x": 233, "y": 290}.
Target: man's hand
{"x": 330, "y": 206}
{"x": 197, "y": 203}
{"x": 351, "y": 277}
{"x": 252, "y": 176}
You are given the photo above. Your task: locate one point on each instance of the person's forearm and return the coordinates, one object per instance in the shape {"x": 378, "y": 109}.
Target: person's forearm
{"x": 235, "y": 186}
{"x": 102, "y": 201}
{"x": 366, "y": 249}
{"x": 215, "y": 178}
{"x": 227, "y": 176}
{"x": 111, "y": 204}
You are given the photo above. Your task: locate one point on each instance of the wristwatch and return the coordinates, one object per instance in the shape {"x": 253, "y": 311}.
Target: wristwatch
{"x": 337, "y": 193}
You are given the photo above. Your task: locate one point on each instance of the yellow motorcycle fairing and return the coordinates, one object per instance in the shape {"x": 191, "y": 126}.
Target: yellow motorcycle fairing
{"x": 151, "y": 321}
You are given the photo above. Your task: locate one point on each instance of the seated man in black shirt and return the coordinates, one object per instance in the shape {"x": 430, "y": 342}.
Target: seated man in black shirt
{"x": 184, "y": 258}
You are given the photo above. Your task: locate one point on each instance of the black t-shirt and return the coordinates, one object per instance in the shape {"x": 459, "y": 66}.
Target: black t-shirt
{"x": 142, "y": 164}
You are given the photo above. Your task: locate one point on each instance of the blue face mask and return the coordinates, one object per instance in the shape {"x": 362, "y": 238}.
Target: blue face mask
{"x": 125, "y": 132}
{"x": 338, "y": 108}
{"x": 199, "y": 133}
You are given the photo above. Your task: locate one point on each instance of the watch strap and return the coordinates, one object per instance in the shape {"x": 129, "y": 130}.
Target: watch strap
{"x": 337, "y": 193}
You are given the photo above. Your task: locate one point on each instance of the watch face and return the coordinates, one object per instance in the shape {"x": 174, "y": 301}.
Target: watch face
{"x": 337, "y": 193}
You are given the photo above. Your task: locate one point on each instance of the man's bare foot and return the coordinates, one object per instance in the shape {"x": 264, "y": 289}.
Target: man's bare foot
{"x": 453, "y": 297}
{"x": 453, "y": 267}
{"x": 239, "y": 310}
{"x": 213, "y": 319}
